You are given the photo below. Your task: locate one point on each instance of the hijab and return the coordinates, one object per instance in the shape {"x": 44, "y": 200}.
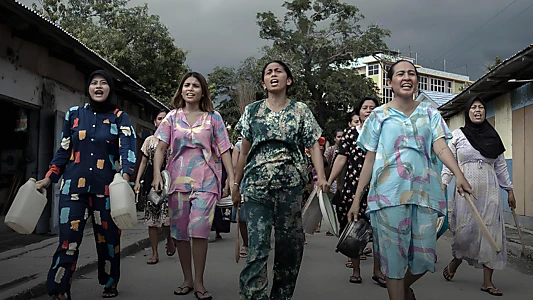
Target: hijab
{"x": 109, "y": 104}
{"x": 483, "y": 137}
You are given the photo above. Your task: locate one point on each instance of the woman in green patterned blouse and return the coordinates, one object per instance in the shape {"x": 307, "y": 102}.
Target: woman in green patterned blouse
{"x": 273, "y": 169}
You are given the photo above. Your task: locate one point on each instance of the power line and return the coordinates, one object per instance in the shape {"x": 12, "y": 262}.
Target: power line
{"x": 479, "y": 41}
{"x": 475, "y": 31}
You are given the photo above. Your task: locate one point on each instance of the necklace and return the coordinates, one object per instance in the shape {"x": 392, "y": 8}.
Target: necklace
{"x": 279, "y": 107}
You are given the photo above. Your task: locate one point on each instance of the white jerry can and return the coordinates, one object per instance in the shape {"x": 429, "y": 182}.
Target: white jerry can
{"x": 122, "y": 202}
{"x": 27, "y": 208}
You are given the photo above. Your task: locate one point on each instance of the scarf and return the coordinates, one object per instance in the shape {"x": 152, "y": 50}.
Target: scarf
{"x": 109, "y": 104}
{"x": 483, "y": 137}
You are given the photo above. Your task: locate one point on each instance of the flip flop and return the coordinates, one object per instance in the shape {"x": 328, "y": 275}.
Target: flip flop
{"x": 492, "y": 291}
{"x": 183, "y": 290}
{"x": 110, "y": 293}
{"x": 380, "y": 281}
{"x": 349, "y": 265}
{"x": 446, "y": 270}
{"x": 196, "y": 294}
{"x": 152, "y": 261}
{"x": 356, "y": 279}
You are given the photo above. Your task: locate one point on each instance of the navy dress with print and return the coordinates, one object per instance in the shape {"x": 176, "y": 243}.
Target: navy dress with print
{"x": 92, "y": 146}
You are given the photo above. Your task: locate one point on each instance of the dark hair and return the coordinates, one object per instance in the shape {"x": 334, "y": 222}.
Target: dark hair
{"x": 205, "y": 102}
{"x": 391, "y": 68}
{"x": 283, "y": 65}
{"x": 350, "y": 118}
{"x": 339, "y": 130}
{"x": 164, "y": 110}
{"x": 359, "y": 104}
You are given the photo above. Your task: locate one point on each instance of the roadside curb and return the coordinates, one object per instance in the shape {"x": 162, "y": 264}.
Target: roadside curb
{"x": 39, "y": 288}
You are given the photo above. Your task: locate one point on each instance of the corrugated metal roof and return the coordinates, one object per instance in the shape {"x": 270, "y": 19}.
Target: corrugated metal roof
{"x": 438, "y": 97}
{"x": 495, "y": 82}
{"x": 140, "y": 89}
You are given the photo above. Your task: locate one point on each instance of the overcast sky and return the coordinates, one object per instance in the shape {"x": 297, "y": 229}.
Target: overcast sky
{"x": 224, "y": 32}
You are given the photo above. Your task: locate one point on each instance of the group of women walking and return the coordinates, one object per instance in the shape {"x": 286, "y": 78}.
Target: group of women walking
{"x": 392, "y": 180}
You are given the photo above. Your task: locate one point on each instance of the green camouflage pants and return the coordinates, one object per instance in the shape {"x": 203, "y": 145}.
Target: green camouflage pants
{"x": 281, "y": 209}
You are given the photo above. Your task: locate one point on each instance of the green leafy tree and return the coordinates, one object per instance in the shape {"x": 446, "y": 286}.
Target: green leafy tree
{"x": 494, "y": 64}
{"x": 320, "y": 39}
{"x": 235, "y": 88}
{"x": 129, "y": 37}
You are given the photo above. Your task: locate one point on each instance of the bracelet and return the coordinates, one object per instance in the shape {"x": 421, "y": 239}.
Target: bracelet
{"x": 441, "y": 151}
{"x": 237, "y": 184}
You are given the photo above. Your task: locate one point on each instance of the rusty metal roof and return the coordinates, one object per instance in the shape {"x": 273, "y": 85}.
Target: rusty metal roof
{"x": 495, "y": 82}
{"x": 29, "y": 24}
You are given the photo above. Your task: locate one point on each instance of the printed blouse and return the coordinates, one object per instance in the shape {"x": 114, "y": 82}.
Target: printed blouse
{"x": 194, "y": 155}
{"x": 406, "y": 170}
{"x": 277, "y": 156}
{"x": 92, "y": 146}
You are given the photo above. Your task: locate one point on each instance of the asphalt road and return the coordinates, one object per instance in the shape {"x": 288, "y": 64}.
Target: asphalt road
{"x": 322, "y": 276}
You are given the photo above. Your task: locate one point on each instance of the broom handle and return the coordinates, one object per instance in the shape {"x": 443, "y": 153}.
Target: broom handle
{"x": 481, "y": 224}
{"x": 519, "y": 232}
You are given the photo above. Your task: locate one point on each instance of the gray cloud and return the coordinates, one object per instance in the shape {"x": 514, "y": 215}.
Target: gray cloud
{"x": 224, "y": 32}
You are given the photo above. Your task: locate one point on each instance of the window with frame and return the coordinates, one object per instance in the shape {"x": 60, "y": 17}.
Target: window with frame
{"x": 423, "y": 83}
{"x": 387, "y": 95}
{"x": 437, "y": 85}
{"x": 373, "y": 69}
{"x": 449, "y": 87}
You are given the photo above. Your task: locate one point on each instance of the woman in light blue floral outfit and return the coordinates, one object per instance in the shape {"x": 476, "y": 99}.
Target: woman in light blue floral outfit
{"x": 403, "y": 140}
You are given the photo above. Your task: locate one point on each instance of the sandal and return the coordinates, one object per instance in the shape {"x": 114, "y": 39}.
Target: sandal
{"x": 153, "y": 261}
{"x": 329, "y": 233}
{"x": 355, "y": 279}
{"x": 492, "y": 290}
{"x": 349, "y": 265}
{"x": 367, "y": 252}
{"x": 196, "y": 294}
{"x": 448, "y": 275}
{"x": 111, "y": 292}
{"x": 171, "y": 253}
{"x": 183, "y": 290}
{"x": 244, "y": 252}
{"x": 380, "y": 281}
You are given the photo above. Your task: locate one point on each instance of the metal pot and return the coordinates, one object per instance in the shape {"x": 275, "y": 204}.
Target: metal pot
{"x": 354, "y": 238}
{"x": 156, "y": 197}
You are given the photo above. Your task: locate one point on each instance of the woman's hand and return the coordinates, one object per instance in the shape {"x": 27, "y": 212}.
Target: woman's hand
{"x": 236, "y": 195}
{"x": 463, "y": 186}
{"x": 323, "y": 185}
{"x": 43, "y": 183}
{"x": 157, "y": 183}
{"x": 511, "y": 200}
{"x": 354, "y": 210}
{"x": 225, "y": 192}
{"x": 137, "y": 187}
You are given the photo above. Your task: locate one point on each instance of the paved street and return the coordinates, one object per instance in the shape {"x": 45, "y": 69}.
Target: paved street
{"x": 323, "y": 276}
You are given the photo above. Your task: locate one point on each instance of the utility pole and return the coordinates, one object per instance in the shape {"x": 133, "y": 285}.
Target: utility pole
{"x": 445, "y": 65}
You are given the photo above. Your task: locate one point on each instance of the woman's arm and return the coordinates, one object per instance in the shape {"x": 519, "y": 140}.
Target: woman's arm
{"x": 159, "y": 156}
{"x": 61, "y": 158}
{"x": 239, "y": 172}
{"x": 336, "y": 170}
{"x": 235, "y": 158}
{"x": 140, "y": 172}
{"x": 446, "y": 156}
{"x": 364, "y": 180}
{"x": 228, "y": 165}
{"x": 318, "y": 162}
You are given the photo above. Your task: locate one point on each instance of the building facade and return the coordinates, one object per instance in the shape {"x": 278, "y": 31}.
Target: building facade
{"x": 376, "y": 66}
{"x": 508, "y": 93}
{"x": 43, "y": 72}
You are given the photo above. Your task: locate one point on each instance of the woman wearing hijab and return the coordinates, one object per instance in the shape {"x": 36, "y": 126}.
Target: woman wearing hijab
{"x": 479, "y": 151}
{"x": 95, "y": 138}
